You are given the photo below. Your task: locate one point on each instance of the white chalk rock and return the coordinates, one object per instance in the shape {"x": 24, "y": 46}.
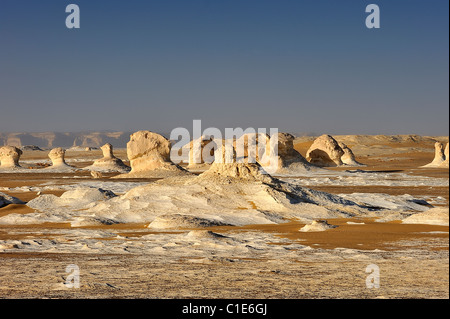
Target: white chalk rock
{"x": 440, "y": 158}
{"x": 9, "y": 157}
{"x": 325, "y": 152}
{"x": 109, "y": 163}
{"x": 289, "y": 160}
{"x": 348, "y": 158}
{"x": 149, "y": 155}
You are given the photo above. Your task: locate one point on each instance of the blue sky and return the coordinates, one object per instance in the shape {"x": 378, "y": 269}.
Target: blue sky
{"x": 300, "y": 66}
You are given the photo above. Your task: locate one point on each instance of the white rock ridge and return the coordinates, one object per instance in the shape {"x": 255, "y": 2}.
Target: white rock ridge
{"x": 149, "y": 155}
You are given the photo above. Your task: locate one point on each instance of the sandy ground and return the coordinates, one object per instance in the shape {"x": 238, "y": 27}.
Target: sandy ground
{"x": 413, "y": 259}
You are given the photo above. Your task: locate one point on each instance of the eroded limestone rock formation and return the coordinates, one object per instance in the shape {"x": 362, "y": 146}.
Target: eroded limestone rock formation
{"x": 109, "y": 163}
{"x": 149, "y": 155}
{"x": 9, "y": 157}
{"x": 327, "y": 152}
{"x": 441, "y": 156}
{"x": 56, "y": 155}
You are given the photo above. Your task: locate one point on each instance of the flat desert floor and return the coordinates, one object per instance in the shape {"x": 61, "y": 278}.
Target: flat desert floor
{"x": 130, "y": 260}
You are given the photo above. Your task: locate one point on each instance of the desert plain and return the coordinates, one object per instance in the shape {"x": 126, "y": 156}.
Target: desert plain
{"x": 126, "y": 245}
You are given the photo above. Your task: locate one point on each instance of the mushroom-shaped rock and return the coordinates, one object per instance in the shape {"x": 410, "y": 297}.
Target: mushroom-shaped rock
{"x": 325, "y": 152}
{"x": 56, "y": 155}
{"x": 149, "y": 155}
{"x": 9, "y": 157}
{"x": 109, "y": 163}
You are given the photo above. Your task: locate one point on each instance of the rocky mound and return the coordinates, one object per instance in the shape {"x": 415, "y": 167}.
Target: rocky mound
{"x": 433, "y": 216}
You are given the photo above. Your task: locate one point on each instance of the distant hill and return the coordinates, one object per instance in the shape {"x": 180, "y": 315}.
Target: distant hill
{"x": 65, "y": 140}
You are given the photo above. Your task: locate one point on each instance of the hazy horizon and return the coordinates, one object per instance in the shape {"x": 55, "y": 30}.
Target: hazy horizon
{"x": 299, "y": 66}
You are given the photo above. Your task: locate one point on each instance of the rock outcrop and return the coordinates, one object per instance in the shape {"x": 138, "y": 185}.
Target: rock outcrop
{"x": 149, "y": 155}
{"x": 327, "y": 152}
{"x": 441, "y": 156}
{"x": 109, "y": 163}
{"x": 9, "y": 157}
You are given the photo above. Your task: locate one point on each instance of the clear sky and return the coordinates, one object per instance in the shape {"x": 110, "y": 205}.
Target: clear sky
{"x": 301, "y": 66}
